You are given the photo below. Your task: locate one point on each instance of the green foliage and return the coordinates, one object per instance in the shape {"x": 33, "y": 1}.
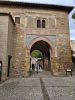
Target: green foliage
{"x": 37, "y": 54}
{"x": 73, "y": 16}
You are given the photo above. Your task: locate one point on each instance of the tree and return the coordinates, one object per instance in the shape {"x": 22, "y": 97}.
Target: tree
{"x": 37, "y": 54}
{"x": 73, "y": 16}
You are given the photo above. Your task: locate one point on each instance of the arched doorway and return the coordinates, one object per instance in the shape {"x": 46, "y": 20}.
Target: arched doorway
{"x": 45, "y": 48}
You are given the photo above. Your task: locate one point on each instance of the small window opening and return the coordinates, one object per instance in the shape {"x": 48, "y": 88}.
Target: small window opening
{"x": 43, "y": 23}
{"x": 17, "y": 20}
{"x": 38, "y": 24}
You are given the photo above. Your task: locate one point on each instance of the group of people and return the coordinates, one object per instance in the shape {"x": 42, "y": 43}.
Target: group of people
{"x": 36, "y": 67}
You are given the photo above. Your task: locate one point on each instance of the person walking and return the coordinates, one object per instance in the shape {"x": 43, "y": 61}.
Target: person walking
{"x": 32, "y": 66}
{"x": 37, "y": 68}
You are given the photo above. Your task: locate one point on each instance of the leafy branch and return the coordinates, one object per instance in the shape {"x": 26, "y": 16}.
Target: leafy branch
{"x": 73, "y": 16}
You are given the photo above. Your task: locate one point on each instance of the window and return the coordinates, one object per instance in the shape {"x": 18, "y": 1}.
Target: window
{"x": 17, "y": 20}
{"x": 41, "y": 23}
{"x": 38, "y": 24}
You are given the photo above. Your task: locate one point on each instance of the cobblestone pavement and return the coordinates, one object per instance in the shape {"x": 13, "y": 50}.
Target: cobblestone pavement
{"x": 40, "y": 88}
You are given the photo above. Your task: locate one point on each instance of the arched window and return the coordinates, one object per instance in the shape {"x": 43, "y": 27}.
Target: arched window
{"x": 38, "y": 24}
{"x": 43, "y": 23}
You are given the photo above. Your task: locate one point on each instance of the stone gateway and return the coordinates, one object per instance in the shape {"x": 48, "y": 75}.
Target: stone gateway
{"x": 25, "y": 27}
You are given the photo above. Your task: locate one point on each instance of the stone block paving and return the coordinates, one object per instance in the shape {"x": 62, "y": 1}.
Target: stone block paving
{"x": 60, "y": 88}
{"x": 21, "y": 89}
{"x": 41, "y": 88}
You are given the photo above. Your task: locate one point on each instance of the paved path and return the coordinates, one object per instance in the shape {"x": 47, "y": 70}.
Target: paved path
{"x": 41, "y": 88}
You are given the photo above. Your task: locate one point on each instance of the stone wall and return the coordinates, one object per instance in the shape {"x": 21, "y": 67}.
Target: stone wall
{"x": 6, "y": 28}
{"x": 3, "y": 43}
{"x": 10, "y": 43}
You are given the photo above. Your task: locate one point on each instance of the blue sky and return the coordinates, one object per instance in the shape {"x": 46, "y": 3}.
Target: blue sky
{"x": 72, "y": 25}
{"x": 62, "y": 2}
{"x": 59, "y": 2}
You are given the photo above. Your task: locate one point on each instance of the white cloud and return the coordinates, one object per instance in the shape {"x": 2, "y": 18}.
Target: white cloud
{"x": 72, "y": 34}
